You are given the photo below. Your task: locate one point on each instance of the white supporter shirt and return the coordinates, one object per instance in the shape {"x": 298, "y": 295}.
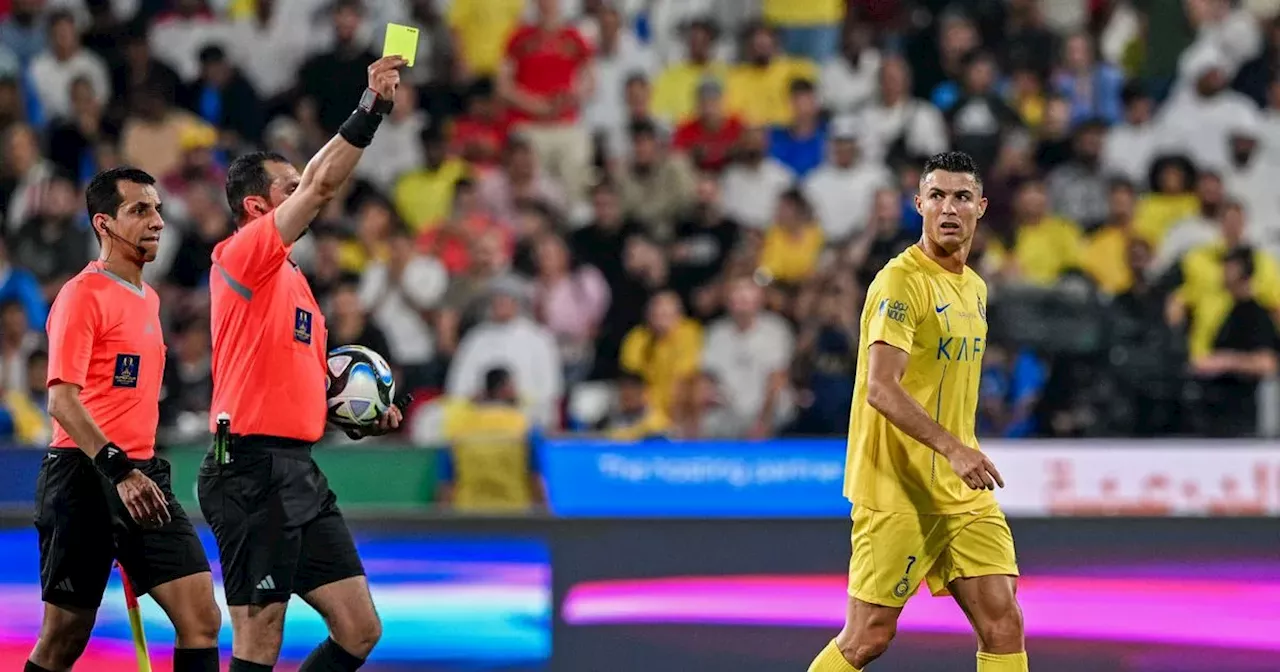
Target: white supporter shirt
{"x": 1128, "y": 151}
{"x": 52, "y": 80}
{"x": 743, "y": 360}
{"x": 1201, "y": 126}
{"x": 397, "y": 309}
{"x": 846, "y": 88}
{"x": 523, "y": 347}
{"x": 750, "y": 193}
{"x": 842, "y": 197}
{"x": 918, "y": 121}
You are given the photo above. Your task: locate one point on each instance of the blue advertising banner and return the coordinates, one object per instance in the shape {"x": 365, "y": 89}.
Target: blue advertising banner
{"x": 19, "y": 467}
{"x": 729, "y": 479}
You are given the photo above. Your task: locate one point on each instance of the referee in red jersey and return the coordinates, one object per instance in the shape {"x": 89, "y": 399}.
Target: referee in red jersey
{"x": 277, "y": 523}
{"x": 102, "y": 495}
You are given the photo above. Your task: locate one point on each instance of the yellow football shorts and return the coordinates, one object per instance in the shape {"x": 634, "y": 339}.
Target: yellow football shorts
{"x": 892, "y": 552}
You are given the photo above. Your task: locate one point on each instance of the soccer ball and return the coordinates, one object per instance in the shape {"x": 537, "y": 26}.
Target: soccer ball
{"x": 359, "y": 386}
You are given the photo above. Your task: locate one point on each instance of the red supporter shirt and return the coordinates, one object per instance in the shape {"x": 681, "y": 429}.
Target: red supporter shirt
{"x": 105, "y": 337}
{"x": 474, "y": 137}
{"x": 268, "y": 338}
{"x": 546, "y": 64}
{"x": 710, "y": 149}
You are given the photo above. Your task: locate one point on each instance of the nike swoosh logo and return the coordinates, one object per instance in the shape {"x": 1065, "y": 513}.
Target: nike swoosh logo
{"x": 939, "y": 309}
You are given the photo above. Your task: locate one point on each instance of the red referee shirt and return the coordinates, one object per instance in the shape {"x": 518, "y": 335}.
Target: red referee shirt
{"x": 104, "y": 336}
{"x": 268, "y": 338}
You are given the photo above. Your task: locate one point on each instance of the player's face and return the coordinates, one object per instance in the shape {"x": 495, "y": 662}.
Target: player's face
{"x": 951, "y": 205}
{"x": 138, "y": 219}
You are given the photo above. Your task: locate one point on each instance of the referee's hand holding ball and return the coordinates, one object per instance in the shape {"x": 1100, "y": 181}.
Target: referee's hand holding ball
{"x": 384, "y": 76}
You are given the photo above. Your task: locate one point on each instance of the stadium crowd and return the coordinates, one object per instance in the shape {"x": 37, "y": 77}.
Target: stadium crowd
{"x": 660, "y": 216}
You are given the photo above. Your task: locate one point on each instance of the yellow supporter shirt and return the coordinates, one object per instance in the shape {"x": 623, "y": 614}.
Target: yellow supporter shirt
{"x": 791, "y": 257}
{"x": 796, "y": 13}
{"x": 490, "y": 457}
{"x": 1105, "y": 258}
{"x": 653, "y": 423}
{"x": 483, "y": 28}
{"x": 1156, "y": 213}
{"x": 1044, "y": 251}
{"x": 940, "y": 319}
{"x": 1208, "y": 301}
{"x": 675, "y": 91}
{"x": 762, "y": 96}
{"x": 663, "y": 362}
{"x": 424, "y": 197}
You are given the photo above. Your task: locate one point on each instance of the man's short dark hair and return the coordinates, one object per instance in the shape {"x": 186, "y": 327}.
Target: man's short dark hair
{"x": 951, "y": 162}
{"x": 801, "y": 85}
{"x": 1242, "y": 256}
{"x": 495, "y": 379}
{"x": 102, "y": 196}
{"x": 58, "y": 16}
{"x": 248, "y": 176}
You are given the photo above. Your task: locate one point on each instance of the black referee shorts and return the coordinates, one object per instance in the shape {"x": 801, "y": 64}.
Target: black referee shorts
{"x": 277, "y": 523}
{"x": 84, "y": 527}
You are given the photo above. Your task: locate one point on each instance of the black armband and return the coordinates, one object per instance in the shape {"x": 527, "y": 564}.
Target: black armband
{"x": 113, "y": 463}
{"x": 360, "y": 127}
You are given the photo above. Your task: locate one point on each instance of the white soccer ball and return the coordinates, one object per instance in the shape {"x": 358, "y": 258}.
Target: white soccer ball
{"x": 359, "y": 386}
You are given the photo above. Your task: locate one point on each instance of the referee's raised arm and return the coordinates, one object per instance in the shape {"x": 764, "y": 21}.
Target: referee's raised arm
{"x": 334, "y": 163}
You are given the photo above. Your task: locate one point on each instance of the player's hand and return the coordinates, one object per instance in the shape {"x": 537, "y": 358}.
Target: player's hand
{"x": 144, "y": 500}
{"x": 384, "y": 76}
{"x": 975, "y": 469}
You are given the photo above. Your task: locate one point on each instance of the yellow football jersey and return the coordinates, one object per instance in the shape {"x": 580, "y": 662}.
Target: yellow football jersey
{"x": 940, "y": 319}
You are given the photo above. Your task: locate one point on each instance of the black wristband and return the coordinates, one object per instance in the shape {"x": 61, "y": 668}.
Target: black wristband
{"x": 360, "y": 127}
{"x": 113, "y": 463}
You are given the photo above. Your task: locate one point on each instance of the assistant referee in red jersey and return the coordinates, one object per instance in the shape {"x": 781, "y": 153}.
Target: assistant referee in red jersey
{"x": 277, "y": 523}
{"x": 102, "y": 494}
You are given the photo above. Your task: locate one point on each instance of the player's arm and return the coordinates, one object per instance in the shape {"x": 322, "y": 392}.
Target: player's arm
{"x": 334, "y": 163}
{"x": 72, "y": 329}
{"x": 885, "y": 393}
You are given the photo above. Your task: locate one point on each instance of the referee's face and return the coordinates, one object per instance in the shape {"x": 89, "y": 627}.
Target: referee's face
{"x": 951, "y": 204}
{"x": 138, "y": 219}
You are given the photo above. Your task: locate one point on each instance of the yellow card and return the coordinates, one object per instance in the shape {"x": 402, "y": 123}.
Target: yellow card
{"x": 401, "y": 41}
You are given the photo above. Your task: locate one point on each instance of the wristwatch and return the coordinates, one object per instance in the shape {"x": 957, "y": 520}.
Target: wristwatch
{"x": 370, "y": 101}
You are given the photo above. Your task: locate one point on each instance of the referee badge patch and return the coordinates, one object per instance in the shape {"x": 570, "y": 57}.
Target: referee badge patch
{"x": 302, "y": 326}
{"x": 126, "y": 375}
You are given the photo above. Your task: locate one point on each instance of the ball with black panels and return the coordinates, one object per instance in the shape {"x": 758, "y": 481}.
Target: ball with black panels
{"x": 359, "y": 386}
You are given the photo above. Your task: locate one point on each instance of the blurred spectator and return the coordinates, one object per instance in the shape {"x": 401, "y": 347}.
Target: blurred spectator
{"x": 1027, "y": 41}
{"x": 1243, "y": 353}
{"x": 842, "y": 189}
{"x": 23, "y": 31}
{"x": 533, "y": 220}
{"x": 958, "y": 38}
{"x": 490, "y": 465}
{"x": 209, "y": 224}
{"x": 399, "y": 295}
{"x": 349, "y": 324}
{"x": 750, "y": 351}
{"x": 483, "y": 28}
{"x": 851, "y": 80}
{"x": 450, "y": 240}
{"x": 197, "y": 143}
{"x": 826, "y": 362}
{"x": 758, "y": 89}
{"x": 439, "y": 67}
{"x": 710, "y": 136}
{"x": 1195, "y": 229}
{"x": 1131, "y": 145}
{"x": 644, "y": 273}
{"x": 328, "y": 80}
{"x": 1025, "y": 94}
{"x": 546, "y": 79}
{"x": 72, "y": 138}
{"x": 1172, "y": 196}
{"x": 53, "y": 71}
{"x": 151, "y": 138}
{"x": 678, "y": 91}
{"x": 187, "y": 390}
{"x": 325, "y": 271}
{"x": 896, "y": 125}
{"x": 601, "y": 242}
{"x": 1150, "y": 353}
{"x": 24, "y": 408}
{"x": 1250, "y": 177}
{"x": 802, "y": 144}
{"x": 1255, "y": 78}
{"x": 704, "y": 239}
{"x": 465, "y": 302}
{"x": 1045, "y": 246}
{"x": 807, "y": 28}
{"x": 883, "y": 239}
{"x": 1105, "y": 255}
{"x": 12, "y": 103}
{"x": 224, "y": 98}
{"x": 52, "y": 244}
{"x": 634, "y": 417}
{"x": 753, "y": 183}
{"x": 1011, "y": 388}
{"x": 178, "y": 35}
{"x": 657, "y": 184}
{"x": 1055, "y": 141}
{"x": 619, "y": 56}
{"x": 980, "y": 115}
{"x": 637, "y": 103}
{"x": 665, "y": 350}
{"x": 424, "y": 196}
{"x": 703, "y": 414}
{"x": 1224, "y": 29}
{"x": 793, "y": 244}
{"x": 269, "y": 47}
{"x": 140, "y": 70}
{"x": 480, "y": 135}
{"x": 517, "y": 180}
{"x": 397, "y": 149}
{"x": 31, "y": 175}
{"x": 18, "y": 339}
{"x": 571, "y": 301}
{"x": 513, "y": 341}
{"x": 1199, "y": 118}
{"x": 1093, "y": 88}
{"x": 1078, "y": 188}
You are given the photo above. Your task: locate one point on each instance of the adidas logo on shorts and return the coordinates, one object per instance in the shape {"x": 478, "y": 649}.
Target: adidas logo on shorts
{"x": 65, "y": 586}
{"x": 267, "y": 583}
